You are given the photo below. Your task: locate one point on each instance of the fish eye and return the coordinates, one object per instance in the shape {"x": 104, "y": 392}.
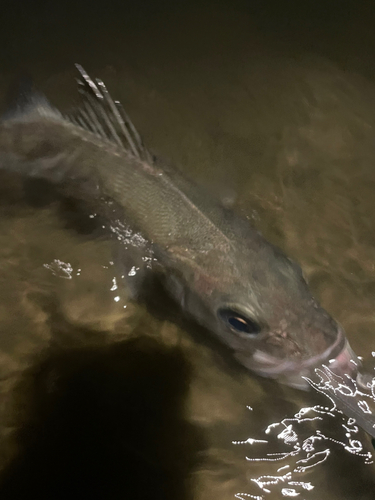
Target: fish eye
{"x": 239, "y": 323}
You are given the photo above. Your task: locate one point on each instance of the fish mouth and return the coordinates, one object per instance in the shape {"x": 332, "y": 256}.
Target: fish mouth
{"x": 338, "y": 357}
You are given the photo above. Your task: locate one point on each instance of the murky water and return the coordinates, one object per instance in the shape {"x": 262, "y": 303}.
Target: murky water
{"x": 276, "y": 116}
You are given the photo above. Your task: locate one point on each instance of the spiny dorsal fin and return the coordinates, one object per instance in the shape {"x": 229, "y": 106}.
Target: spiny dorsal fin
{"x": 105, "y": 117}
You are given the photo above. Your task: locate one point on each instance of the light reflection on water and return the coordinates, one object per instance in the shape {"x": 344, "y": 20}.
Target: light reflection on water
{"x": 297, "y": 444}
{"x": 61, "y": 269}
{"x": 297, "y": 136}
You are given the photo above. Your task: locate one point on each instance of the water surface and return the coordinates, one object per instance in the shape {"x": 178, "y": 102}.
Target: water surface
{"x": 274, "y": 112}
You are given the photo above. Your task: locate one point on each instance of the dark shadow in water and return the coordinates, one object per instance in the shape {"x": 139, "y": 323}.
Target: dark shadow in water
{"x": 105, "y": 422}
{"x": 18, "y": 193}
{"x": 75, "y": 214}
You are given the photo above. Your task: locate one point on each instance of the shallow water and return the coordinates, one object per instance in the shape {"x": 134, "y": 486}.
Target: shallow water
{"x": 271, "y": 112}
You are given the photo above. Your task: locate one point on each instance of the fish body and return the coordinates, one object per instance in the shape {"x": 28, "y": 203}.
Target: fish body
{"x": 213, "y": 262}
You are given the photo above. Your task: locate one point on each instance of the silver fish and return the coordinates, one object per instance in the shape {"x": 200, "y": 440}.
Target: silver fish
{"x": 212, "y": 261}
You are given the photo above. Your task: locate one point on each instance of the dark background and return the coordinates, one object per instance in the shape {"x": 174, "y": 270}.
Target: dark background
{"x": 62, "y": 32}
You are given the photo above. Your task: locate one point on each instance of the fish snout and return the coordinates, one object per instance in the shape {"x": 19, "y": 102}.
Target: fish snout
{"x": 339, "y": 360}
{"x": 344, "y": 362}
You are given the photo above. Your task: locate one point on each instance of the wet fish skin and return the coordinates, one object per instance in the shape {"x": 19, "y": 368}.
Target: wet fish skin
{"x": 213, "y": 262}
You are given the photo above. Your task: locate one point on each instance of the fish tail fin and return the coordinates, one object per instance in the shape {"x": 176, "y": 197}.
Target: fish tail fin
{"x": 105, "y": 117}
{"x": 23, "y": 102}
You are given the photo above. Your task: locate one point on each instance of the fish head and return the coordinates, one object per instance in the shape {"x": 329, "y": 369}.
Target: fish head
{"x": 257, "y": 301}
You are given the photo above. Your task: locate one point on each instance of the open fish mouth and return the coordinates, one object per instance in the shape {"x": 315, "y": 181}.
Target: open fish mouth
{"x": 338, "y": 357}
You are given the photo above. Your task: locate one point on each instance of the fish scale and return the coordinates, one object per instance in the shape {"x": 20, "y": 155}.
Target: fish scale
{"x": 220, "y": 270}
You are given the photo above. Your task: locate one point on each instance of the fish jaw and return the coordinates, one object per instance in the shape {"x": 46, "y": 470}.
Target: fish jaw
{"x": 339, "y": 357}
{"x": 346, "y": 362}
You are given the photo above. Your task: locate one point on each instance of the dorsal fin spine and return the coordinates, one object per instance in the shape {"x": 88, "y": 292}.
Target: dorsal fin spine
{"x": 100, "y": 114}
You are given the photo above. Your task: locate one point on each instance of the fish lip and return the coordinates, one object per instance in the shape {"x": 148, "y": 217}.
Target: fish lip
{"x": 333, "y": 351}
{"x": 345, "y": 362}
{"x": 339, "y": 351}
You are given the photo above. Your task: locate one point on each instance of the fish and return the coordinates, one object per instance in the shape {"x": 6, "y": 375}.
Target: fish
{"x": 213, "y": 262}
